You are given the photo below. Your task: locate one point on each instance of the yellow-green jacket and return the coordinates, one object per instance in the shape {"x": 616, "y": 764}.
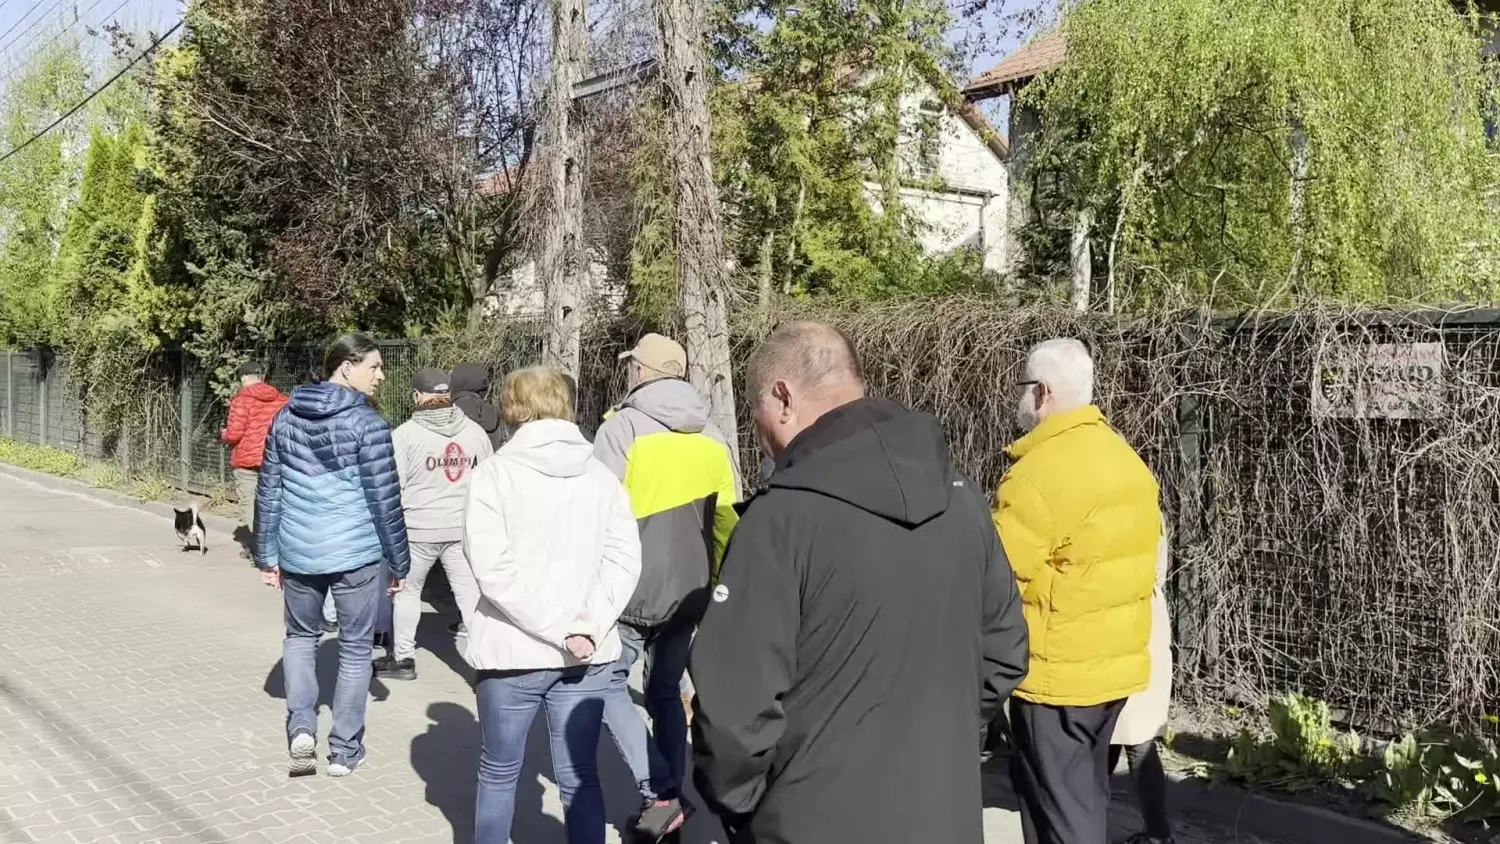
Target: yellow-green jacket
{"x": 676, "y": 466}
{"x": 1079, "y": 517}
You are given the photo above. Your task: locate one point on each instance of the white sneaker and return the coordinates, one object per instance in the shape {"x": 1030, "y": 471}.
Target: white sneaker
{"x": 303, "y": 753}
{"x": 344, "y": 767}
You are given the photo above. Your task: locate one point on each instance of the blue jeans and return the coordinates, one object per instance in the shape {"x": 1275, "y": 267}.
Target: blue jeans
{"x": 356, "y": 594}
{"x": 658, "y": 760}
{"x": 508, "y": 701}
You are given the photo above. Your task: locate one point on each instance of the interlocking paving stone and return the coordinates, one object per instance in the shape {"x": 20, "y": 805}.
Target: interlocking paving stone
{"x": 140, "y": 701}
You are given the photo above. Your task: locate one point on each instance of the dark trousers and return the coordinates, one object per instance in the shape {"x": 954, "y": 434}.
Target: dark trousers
{"x": 1150, "y": 780}
{"x": 1060, "y": 768}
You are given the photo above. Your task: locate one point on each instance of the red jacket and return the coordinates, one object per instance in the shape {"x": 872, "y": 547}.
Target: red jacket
{"x": 251, "y": 413}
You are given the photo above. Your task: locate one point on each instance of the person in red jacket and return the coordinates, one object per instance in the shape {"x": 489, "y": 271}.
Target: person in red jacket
{"x": 251, "y": 412}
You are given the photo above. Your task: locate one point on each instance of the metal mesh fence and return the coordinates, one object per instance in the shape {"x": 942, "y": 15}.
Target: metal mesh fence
{"x": 40, "y": 404}
{"x": 1325, "y": 539}
{"x": 1350, "y": 539}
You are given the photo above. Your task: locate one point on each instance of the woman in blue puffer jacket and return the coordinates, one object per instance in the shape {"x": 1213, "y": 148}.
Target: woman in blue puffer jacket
{"x": 329, "y": 507}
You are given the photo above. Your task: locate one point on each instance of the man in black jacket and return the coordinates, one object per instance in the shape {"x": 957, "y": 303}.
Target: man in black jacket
{"x": 865, "y": 625}
{"x": 470, "y": 383}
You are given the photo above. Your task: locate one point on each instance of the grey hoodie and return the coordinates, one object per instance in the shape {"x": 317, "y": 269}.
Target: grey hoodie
{"x": 436, "y": 452}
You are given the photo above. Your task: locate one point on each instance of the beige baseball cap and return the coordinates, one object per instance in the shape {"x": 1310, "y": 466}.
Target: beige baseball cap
{"x": 661, "y": 355}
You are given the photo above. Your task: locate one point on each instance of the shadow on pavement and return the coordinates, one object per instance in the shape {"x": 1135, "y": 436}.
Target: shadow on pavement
{"x": 433, "y": 636}
{"x": 328, "y": 674}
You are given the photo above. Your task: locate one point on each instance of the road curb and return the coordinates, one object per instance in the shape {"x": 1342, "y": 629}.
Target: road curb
{"x": 1268, "y": 817}
{"x": 216, "y": 524}
{"x": 1241, "y": 812}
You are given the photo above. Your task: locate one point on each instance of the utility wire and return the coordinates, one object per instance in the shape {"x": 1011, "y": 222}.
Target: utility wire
{"x": 24, "y": 15}
{"x": 19, "y": 35}
{"x": 96, "y": 92}
{"x": 64, "y": 30}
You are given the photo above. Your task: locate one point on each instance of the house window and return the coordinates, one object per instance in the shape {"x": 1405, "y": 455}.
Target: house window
{"x": 924, "y": 163}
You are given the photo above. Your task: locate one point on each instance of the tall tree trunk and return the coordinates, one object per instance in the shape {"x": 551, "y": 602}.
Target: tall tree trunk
{"x": 789, "y": 260}
{"x": 1297, "y": 196}
{"x": 560, "y": 263}
{"x": 1082, "y": 260}
{"x": 764, "y": 272}
{"x": 700, "y": 245}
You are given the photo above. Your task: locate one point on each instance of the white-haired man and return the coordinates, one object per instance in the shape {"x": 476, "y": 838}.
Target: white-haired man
{"x": 1079, "y": 518}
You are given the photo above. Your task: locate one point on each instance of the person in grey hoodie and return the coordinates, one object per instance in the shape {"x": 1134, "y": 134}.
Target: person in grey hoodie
{"x": 437, "y": 451}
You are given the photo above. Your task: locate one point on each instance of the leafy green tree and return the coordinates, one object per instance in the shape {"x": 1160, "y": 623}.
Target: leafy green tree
{"x": 1245, "y": 151}
{"x": 307, "y": 158}
{"x": 809, "y": 127}
{"x": 35, "y": 185}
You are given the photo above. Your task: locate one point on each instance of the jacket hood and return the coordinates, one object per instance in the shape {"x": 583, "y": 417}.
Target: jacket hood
{"x": 672, "y": 402}
{"x": 262, "y": 392}
{"x": 325, "y": 399}
{"x": 447, "y": 421}
{"x": 470, "y": 378}
{"x": 551, "y": 446}
{"x": 876, "y": 455}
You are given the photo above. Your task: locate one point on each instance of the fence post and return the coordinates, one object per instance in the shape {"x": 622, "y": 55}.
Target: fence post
{"x": 185, "y": 427}
{"x": 10, "y": 394}
{"x": 41, "y": 410}
{"x": 1198, "y": 640}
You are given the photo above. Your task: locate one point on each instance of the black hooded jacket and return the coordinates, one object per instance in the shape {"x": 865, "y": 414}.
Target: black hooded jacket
{"x": 866, "y": 624}
{"x": 470, "y": 384}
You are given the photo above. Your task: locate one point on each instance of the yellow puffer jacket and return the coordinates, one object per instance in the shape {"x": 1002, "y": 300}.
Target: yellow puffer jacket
{"x": 1079, "y": 517}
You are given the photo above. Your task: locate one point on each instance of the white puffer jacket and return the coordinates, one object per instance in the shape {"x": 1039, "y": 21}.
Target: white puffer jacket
{"x": 552, "y": 541}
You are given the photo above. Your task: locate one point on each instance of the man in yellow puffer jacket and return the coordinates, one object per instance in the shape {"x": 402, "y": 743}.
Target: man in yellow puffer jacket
{"x": 1079, "y": 518}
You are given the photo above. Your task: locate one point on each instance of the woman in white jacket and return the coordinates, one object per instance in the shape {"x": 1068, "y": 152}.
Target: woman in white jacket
{"x": 554, "y": 547}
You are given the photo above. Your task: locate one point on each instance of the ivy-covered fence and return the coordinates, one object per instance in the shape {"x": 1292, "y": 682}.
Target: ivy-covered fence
{"x": 1331, "y": 479}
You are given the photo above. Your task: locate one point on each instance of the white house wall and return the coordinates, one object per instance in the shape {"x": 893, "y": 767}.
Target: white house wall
{"x": 523, "y": 296}
{"x": 966, "y": 208}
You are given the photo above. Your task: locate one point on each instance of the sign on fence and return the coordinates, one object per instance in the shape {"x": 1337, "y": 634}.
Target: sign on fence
{"x": 1379, "y": 381}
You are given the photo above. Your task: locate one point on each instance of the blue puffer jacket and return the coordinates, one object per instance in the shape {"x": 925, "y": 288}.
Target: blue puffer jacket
{"x": 329, "y": 498}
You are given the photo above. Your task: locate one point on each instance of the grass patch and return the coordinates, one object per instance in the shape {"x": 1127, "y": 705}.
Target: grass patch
{"x": 41, "y": 458}
{"x": 96, "y": 473}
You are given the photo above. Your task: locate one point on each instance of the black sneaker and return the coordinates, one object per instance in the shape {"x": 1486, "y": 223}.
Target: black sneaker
{"x": 390, "y": 668}
{"x": 659, "y": 819}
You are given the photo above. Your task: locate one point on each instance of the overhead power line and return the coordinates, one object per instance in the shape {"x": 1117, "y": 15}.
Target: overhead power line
{"x": 22, "y": 34}
{"x": 94, "y": 93}
{"x": 27, "y": 51}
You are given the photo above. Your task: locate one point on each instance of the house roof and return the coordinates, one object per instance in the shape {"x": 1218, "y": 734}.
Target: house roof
{"x": 850, "y": 72}
{"x": 502, "y": 182}
{"x": 976, "y": 120}
{"x": 1043, "y": 53}
{"x": 1049, "y": 51}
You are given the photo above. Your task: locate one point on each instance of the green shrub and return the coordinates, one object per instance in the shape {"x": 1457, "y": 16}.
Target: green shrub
{"x": 40, "y": 458}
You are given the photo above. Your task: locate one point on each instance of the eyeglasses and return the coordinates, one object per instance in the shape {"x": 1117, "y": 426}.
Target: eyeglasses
{"x": 1026, "y": 383}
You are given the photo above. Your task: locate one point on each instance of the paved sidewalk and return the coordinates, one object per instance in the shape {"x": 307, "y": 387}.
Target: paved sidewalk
{"x": 140, "y": 701}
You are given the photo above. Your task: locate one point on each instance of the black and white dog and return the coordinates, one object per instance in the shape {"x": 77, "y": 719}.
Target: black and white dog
{"x": 190, "y": 530}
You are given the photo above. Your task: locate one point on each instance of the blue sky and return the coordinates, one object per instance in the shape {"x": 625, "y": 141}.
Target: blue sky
{"x": 30, "y": 24}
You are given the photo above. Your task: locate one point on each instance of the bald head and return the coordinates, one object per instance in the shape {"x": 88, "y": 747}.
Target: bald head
{"x": 809, "y": 354}
{"x": 800, "y": 372}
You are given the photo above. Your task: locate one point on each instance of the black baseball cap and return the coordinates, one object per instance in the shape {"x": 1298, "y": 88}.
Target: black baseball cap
{"x": 251, "y": 367}
{"x": 432, "y": 381}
